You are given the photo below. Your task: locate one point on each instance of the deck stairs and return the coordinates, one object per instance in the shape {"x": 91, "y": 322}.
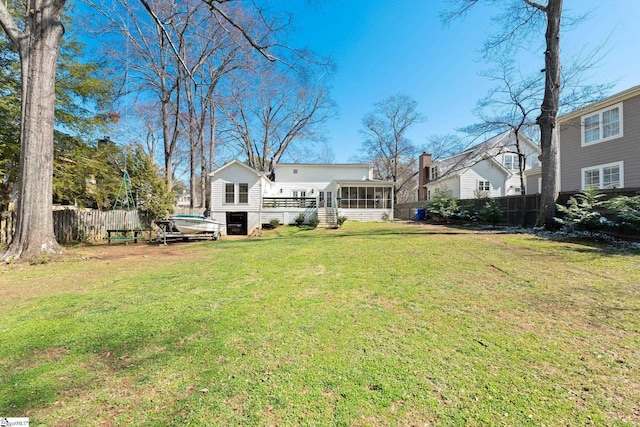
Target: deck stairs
{"x": 327, "y": 217}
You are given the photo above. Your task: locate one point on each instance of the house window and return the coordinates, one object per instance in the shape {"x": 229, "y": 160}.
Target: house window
{"x": 229, "y": 193}
{"x": 365, "y": 198}
{"x": 484, "y": 186}
{"x": 434, "y": 172}
{"x": 243, "y": 193}
{"x": 534, "y": 161}
{"x": 602, "y": 125}
{"x": 602, "y": 177}
{"x": 510, "y": 161}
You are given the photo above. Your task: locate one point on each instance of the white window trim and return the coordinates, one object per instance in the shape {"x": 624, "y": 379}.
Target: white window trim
{"x": 237, "y": 191}
{"x": 514, "y": 161}
{"x": 235, "y": 194}
{"x": 600, "y": 169}
{"x": 483, "y": 181}
{"x": 599, "y": 113}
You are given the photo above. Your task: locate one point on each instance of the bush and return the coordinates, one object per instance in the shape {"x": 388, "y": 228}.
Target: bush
{"x": 627, "y": 210}
{"x": 442, "y": 206}
{"x": 467, "y": 211}
{"x": 490, "y": 213}
{"x": 299, "y": 220}
{"x": 340, "y": 220}
{"x": 313, "y": 222}
{"x": 581, "y": 212}
{"x": 274, "y": 223}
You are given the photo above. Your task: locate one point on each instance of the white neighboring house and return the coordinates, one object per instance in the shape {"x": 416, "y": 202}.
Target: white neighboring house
{"x": 244, "y": 199}
{"x": 490, "y": 168}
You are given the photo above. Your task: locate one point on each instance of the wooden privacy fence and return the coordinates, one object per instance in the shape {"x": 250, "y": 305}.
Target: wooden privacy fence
{"x": 73, "y": 225}
{"x": 511, "y": 207}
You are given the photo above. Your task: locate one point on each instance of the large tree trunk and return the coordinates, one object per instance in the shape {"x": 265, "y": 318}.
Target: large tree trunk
{"x": 547, "y": 119}
{"x": 38, "y": 46}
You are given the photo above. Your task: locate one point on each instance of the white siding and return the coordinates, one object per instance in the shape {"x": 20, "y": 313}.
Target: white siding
{"x": 321, "y": 173}
{"x": 366, "y": 215}
{"x": 485, "y": 170}
{"x": 452, "y": 185}
{"x": 236, "y": 174}
{"x": 273, "y": 190}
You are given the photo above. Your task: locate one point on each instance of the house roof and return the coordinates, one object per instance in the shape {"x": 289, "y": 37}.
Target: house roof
{"x": 459, "y": 163}
{"x": 613, "y": 99}
{"x": 236, "y": 162}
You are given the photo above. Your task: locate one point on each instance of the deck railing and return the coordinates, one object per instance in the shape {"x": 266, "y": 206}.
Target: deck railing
{"x": 289, "y": 202}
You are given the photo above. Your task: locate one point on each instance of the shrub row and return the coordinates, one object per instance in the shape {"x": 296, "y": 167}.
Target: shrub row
{"x": 445, "y": 207}
{"x": 586, "y": 211}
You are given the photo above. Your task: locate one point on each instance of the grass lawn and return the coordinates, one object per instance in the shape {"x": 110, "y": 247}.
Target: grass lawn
{"x": 370, "y": 325}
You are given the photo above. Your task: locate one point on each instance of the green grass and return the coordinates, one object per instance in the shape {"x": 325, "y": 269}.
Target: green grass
{"x": 371, "y": 324}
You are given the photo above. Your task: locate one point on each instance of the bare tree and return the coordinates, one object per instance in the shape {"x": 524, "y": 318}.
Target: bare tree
{"x": 385, "y": 141}
{"x": 268, "y": 110}
{"x": 441, "y": 146}
{"x": 37, "y": 36}
{"x": 510, "y": 106}
{"x": 524, "y": 20}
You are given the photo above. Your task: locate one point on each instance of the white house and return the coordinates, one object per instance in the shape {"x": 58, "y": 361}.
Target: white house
{"x": 490, "y": 168}
{"x": 244, "y": 199}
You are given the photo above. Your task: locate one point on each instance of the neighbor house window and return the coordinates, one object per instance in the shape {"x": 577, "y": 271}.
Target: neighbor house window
{"x": 602, "y": 125}
{"x": 510, "y": 161}
{"x": 229, "y": 193}
{"x": 533, "y": 161}
{"x": 603, "y": 176}
{"x": 484, "y": 186}
{"x": 243, "y": 193}
{"x": 365, "y": 198}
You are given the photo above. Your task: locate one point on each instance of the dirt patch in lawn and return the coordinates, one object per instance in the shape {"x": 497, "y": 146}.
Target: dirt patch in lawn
{"x": 68, "y": 271}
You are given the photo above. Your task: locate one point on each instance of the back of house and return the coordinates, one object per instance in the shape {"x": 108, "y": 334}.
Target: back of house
{"x": 245, "y": 199}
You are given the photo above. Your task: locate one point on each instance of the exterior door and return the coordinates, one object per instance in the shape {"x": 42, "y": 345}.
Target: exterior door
{"x": 237, "y": 223}
{"x": 325, "y": 199}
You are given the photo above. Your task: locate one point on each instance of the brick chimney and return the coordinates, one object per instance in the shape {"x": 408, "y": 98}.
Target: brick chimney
{"x": 424, "y": 162}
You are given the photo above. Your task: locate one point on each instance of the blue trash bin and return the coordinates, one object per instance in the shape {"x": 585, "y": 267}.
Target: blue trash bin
{"x": 419, "y": 214}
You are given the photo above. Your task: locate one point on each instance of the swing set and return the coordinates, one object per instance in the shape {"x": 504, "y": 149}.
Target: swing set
{"x": 123, "y": 223}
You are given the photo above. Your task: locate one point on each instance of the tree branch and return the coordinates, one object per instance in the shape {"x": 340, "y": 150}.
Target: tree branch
{"x": 8, "y": 24}
{"x": 241, "y": 29}
{"x": 536, "y": 5}
{"x": 166, "y": 34}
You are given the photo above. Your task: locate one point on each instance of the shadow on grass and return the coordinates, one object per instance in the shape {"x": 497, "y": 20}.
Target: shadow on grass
{"x": 105, "y": 345}
{"x": 605, "y": 247}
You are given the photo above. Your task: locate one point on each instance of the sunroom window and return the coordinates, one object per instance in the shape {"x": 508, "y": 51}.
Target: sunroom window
{"x": 365, "y": 197}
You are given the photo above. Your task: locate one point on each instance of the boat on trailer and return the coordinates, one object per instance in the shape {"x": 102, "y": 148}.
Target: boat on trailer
{"x": 195, "y": 224}
{"x": 188, "y": 227}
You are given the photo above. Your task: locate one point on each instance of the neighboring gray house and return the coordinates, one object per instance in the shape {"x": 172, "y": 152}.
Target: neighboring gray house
{"x": 489, "y": 169}
{"x": 244, "y": 199}
{"x": 600, "y": 144}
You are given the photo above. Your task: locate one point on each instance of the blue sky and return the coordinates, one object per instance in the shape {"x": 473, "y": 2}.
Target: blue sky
{"x": 384, "y": 47}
